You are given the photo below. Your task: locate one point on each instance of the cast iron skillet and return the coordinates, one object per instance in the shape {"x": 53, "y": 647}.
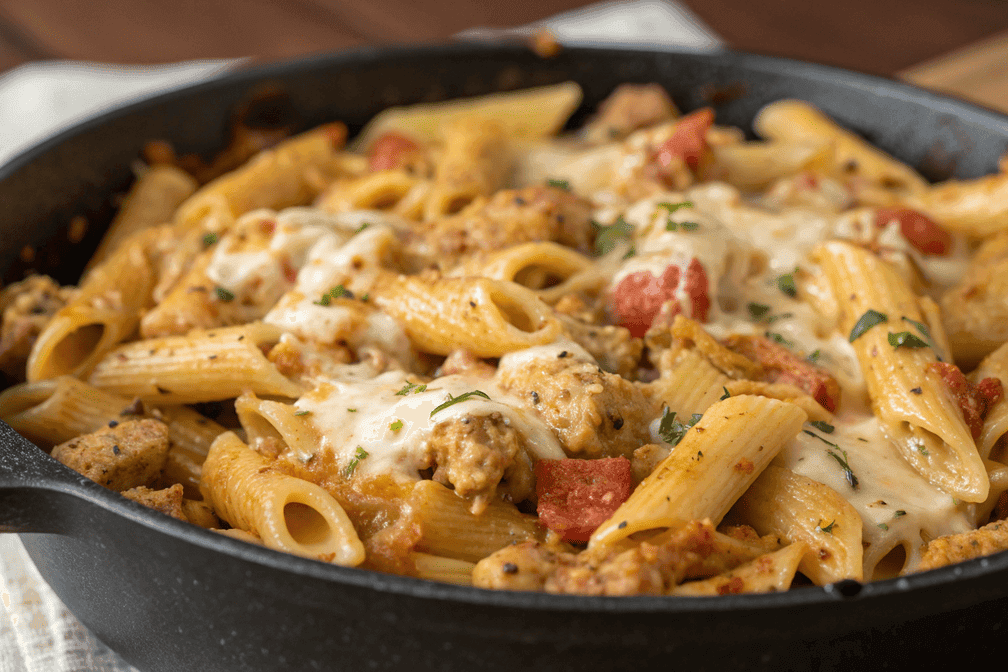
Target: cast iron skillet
{"x": 169, "y": 596}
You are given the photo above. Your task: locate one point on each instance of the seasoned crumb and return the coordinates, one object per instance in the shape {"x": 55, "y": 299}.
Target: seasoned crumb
{"x": 168, "y": 501}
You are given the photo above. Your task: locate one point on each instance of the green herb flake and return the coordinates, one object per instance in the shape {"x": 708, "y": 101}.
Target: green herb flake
{"x": 842, "y": 461}
{"x": 609, "y": 237}
{"x": 671, "y": 430}
{"x": 782, "y": 316}
{"x": 814, "y": 356}
{"x": 824, "y": 427}
{"x": 224, "y": 294}
{"x": 671, "y": 225}
{"x": 726, "y": 394}
{"x": 365, "y": 298}
{"x": 883, "y": 526}
{"x": 299, "y": 413}
{"x": 758, "y": 310}
{"x": 407, "y": 388}
{"x": 351, "y": 410}
{"x": 870, "y": 319}
{"x": 395, "y": 425}
{"x": 828, "y": 529}
{"x": 904, "y": 339}
{"x": 922, "y": 450}
{"x": 363, "y": 226}
{"x": 559, "y": 184}
{"x": 899, "y": 513}
{"x": 672, "y": 207}
{"x": 786, "y": 284}
{"x": 352, "y": 465}
{"x": 460, "y": 398}
{"x": 209, "y": 239}
{"x": 777, "y": 338}
{"x": 926, "y": 333}
{"x": 689, "y": 226}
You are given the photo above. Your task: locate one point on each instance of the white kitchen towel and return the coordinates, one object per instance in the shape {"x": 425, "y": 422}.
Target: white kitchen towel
{"x": 37, "y": 632}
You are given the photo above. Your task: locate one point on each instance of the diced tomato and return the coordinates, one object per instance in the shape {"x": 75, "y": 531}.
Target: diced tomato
{"x": 919, "y": 229}
{"x": 974, "y": 400}
{"x": 576, "y": 496}
{"x": 290, "y": 273}
{"x": 783, "y": 366}
{"x": 641, "y": 297}
{"x": 391, "y": 150}
{"x": 688, "y": 140}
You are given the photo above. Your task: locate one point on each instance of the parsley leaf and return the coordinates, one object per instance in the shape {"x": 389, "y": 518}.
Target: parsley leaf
{"x": 870, "y": 319}
{"x": 672, "y": 207}
{"x": 224, "y": 294}
{"x": 824, "y": 427}
{"x": 334, "y": 293}
{"x": 828, "y": 529}
{"x": 726, "y": 394}
{"x": 814, "y": 356}
{"x": 395, "y": 425}
{"x": 842, "y": 461}
{"x": 671, "y": 430}
{"x": 352, "y": 465}
{"x": 363, "y": 226}
{"x": 777, "y": 338}
{"x": 904, "y": 339}
{"x": 559, "y": 184}
{"x": 410, "y": 387}
{"x": 689, "y": 226}
{"x": 299, "y": 413}
{"x": 926, "y": 333}
{"x": 460, "y": 398}
{"x": 786, "y": 284}
{"x": 758, "y": 310}
{"x": 209, "y": 239}
{"x": 609, "y": 237}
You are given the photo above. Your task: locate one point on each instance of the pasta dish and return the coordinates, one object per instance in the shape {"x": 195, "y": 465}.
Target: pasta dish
{"x": 648, "y": 356}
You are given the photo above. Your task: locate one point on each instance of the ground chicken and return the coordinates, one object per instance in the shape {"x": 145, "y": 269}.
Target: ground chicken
{"x": 593, "y": 413}
{"x": 168, "y": 500}
{"x": 476, "y": 453}
{"x": 510, "y": 217}
{"x": 27, "y": 308}
{"x": 651, "y": 568}
{"x": 126, "y": 456}
{"x": 627, "y": 108}
{"x": 954, "y": 548}
{"x": 613, "y": 347}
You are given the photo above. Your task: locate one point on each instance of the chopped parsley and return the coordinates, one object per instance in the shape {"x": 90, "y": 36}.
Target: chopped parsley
{"x": 926, "y": 333}
{"x": 410, "y": 387}
{"x": 299, "y": 413}
{"x": 223, "y": 294}
{"x": 559, "y": 184}
{"x": 395, "y": 425}
{"x": 689, "y": 226}
{"x": 922, "y": 450}
{"x": 777, "y": 338}
{"x": 363, "y": 226}
{"x": 334, "y": 293}
{"x": 899, "y": 513}
{"x": 904, "y": 339}
{"x": 758, "y": 310}
{"x": 725, "y": 395}
{"x": 460, "y": 398}
{"x": 609, "y": 237}
{"x": 814, "y": 356}
{"x": 786, "y": 284}
{"x": 366, "y": 297}
{"x": 351, "y": 410}
{"x": 672, "y": 207}
{"x": 352, "y": 465}
{"x": 671, "y": 430}
{"x": 828, "y": 529}
{"x": 842, "y": 461}
{"x": 209, "y": 239}
{"x": 824, "y": 427}
{"x": 883, "y": 526}
{"x": 782, "y": 316}
{"x": 870, "y": 319}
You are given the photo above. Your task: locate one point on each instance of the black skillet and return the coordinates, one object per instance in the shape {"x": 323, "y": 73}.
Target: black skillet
{"x": 168, "y": 596}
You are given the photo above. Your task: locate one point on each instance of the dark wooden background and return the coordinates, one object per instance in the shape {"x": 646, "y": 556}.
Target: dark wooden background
{"x": 877, "y": 36}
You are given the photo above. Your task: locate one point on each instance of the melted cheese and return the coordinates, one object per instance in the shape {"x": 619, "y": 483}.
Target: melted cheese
{"x": 367, "y": 414}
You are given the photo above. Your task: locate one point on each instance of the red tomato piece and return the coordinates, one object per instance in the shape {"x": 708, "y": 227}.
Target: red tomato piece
{"x": 688, "y": 140}
{"x": 974, "y": 400}
{"x": 576, "y": 496}
{"x": 641, "y": 297}
{"x": 391, "y": 151}
{"x": 920, "y": 230}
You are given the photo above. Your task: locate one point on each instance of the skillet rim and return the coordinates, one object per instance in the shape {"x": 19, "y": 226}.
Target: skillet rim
{"x": 979, "y": 568}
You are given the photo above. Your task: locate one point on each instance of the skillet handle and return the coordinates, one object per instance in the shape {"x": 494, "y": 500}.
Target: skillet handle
{"x": 35, "y": 489}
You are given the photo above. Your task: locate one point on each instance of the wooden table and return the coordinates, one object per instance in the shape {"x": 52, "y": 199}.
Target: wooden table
{"x": 867, "y": 35}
